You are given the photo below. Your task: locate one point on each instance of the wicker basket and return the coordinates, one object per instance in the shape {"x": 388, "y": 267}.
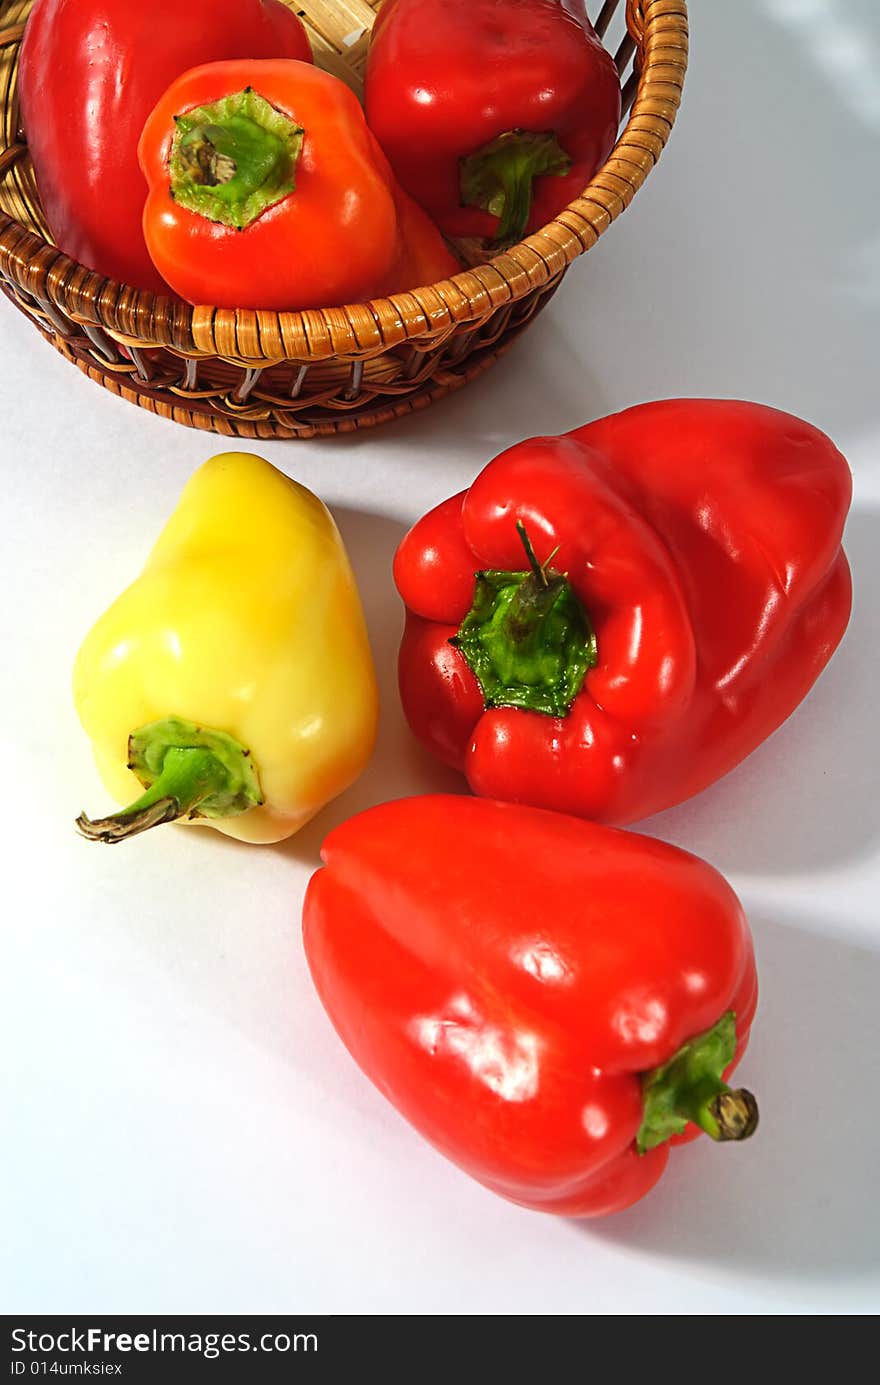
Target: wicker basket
{"x": 300, "y": 374}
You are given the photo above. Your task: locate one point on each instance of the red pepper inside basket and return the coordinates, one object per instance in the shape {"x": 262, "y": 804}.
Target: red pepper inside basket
{"x": 493, "y": 116}
{"x": 90, "y": 73}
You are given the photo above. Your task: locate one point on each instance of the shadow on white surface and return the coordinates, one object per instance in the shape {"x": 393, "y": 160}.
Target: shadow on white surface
{"x": 540, "y": 386}
{"x": 800, "y": 1198}
{"x": 554, "y": 388}
{"x": 835, "y": 39}
{"x": 806, "y": 800}
{"x": 399, "y": 766}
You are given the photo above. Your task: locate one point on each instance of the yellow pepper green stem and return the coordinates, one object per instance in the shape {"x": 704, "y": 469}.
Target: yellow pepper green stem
{"x": 188, "y": 771}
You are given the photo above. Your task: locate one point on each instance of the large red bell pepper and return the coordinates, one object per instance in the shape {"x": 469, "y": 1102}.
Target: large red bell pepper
{"x": 494, "y": 116}
{"x": 693, "y": 588}
{"x": 90, "y": 73}
{"x": 550, "y": 1002}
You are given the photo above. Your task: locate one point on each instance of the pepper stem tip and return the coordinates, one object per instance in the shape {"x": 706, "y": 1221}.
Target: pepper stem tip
{"x": 736, "y": 1114}
{"x": 539, "y": 569}
{"x": 120, "y": 826}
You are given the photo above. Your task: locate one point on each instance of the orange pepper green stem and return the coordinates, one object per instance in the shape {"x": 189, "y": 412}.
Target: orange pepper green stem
{"x": 233, "y": 158}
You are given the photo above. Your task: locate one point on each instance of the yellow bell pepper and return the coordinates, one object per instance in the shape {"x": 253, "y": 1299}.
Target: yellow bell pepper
{"x": 233, "y": 681}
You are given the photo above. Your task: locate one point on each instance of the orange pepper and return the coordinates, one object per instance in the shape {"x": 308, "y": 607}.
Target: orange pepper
{"x": 267, "y": 190}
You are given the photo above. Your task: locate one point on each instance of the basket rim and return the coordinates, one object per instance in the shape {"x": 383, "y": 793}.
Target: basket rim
{"x": 658, "y": 29}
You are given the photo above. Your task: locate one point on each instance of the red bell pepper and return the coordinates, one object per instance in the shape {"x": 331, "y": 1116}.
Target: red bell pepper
{"x": 494, "y": 116}
{"x": 551, "y": 1003}
{"x": 267, "y": 190}
{"x": 689, "y": 588}
{"x": 90, "y": 73}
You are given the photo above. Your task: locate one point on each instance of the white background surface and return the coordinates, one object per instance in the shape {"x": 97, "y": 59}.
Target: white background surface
{"x": 184, "y": 1131}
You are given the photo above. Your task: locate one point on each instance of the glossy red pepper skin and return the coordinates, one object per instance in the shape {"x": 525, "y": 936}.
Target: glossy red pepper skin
{"x": 703, "y": 538}
{"x": 505, "y": 976}
{"x": 90, "y": 73}
{"x": 444, "y": 80}
{"x": 357, "y": 235}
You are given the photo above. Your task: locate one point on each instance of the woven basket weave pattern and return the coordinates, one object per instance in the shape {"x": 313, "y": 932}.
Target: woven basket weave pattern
{"x": 300, "y": 374}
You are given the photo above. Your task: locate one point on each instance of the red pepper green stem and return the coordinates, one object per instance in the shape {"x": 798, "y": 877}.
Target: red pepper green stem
{"x": 500, "y": 178}
{"x": 188, "y": 771}
{"x": 690, "y": 1088}
{"x": 233, "y": 158}
{"x": 527, "y": 638}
